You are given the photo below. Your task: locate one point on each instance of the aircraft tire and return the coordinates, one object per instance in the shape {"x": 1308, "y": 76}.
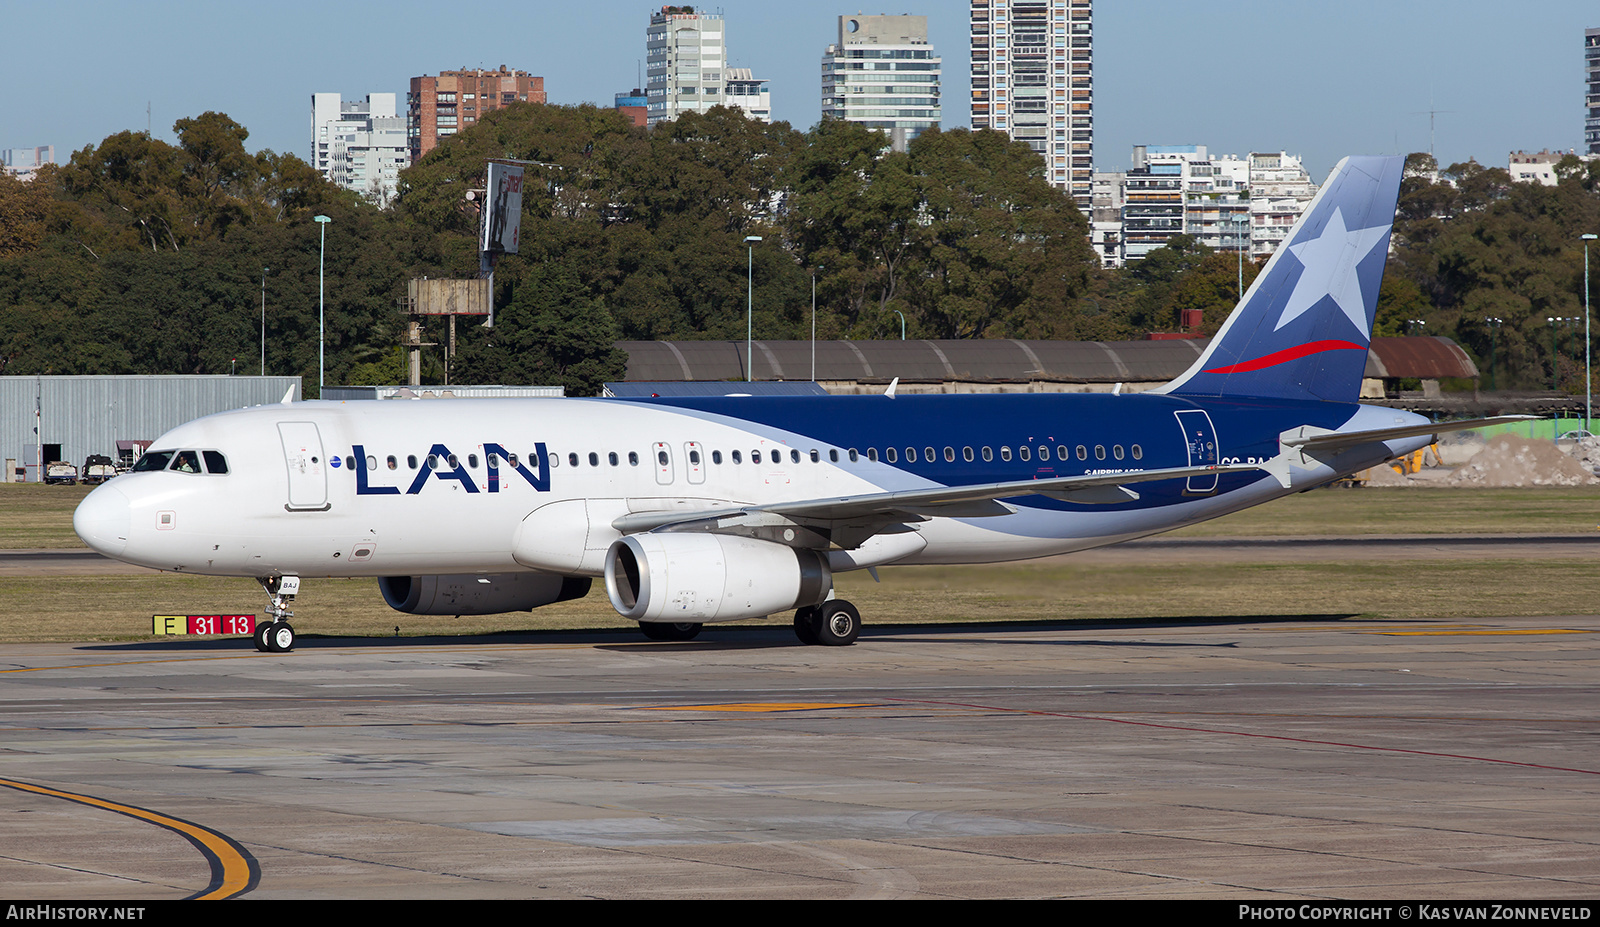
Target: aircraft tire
{"x": 280, "y": 637}
{"x": 260, "y": 636}
{"x": 675, "y": 631}
{"x": 805, "y": 624}
{"x": 837, "y": 623}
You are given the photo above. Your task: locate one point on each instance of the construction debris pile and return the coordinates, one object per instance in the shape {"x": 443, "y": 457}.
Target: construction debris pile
{"x": 1586, "y": 451}
{"x": 1509, "y": 460}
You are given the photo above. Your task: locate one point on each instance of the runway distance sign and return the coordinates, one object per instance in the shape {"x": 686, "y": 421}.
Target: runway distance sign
{"x": 202, "y": 624}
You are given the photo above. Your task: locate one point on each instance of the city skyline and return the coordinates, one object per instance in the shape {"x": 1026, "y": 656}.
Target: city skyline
{"x": 1322, "y": 82}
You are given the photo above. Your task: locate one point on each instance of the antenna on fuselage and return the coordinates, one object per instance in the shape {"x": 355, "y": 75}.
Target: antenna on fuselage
{"x": 892, "y": 384}
{"x": 288, "y": 397}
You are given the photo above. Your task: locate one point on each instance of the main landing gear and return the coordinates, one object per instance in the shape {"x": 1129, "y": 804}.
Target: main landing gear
{"x": 277, "y": 636}
{"x": 834, "y": 623}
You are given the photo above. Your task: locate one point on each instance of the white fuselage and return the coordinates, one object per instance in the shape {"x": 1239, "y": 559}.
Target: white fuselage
{"x": 346, "y": 489}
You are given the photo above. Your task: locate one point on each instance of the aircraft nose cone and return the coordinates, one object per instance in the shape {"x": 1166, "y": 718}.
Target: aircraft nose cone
{"x": 103, "y": 520}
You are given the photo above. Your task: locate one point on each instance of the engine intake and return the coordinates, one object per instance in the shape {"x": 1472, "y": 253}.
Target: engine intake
{"x": 682, "y": 577}
{"x": 474, "y": 594}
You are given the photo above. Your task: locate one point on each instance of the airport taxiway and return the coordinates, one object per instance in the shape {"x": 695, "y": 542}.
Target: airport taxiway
{"x": 1301, "y": 757}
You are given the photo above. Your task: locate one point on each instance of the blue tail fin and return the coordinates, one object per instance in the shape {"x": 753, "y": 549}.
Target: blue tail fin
{"x": 1302, "y": 330}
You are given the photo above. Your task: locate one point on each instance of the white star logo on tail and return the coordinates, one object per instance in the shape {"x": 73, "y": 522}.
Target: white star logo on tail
{"x": 1330, "y": 262}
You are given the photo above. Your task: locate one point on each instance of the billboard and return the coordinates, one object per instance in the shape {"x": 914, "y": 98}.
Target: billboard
{"x": 502, "y": 214}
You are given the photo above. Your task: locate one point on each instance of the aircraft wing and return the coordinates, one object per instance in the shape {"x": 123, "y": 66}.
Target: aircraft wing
{"x": 1304, "y": 440}
{"x": 964, "y": 501}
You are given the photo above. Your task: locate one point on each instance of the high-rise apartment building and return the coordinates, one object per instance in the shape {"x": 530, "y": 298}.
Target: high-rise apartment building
{"x": 1227, "y": 203}
{"x": 438, "y": 107}
{"x": 360, "y": 146}
{"x": 1033, "y": 79}
{"x": 686, "y": 60}
{"x": 883, "y": 73}
{"x": 748, "y": 93}
{"x": 1591, "y": 99}
{"x": 24, "y": 163}
{"x": 1280, "y": 190}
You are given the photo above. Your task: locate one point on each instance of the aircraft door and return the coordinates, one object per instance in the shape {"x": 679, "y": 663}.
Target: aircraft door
{"x": 1201, "y": 441}
{"x": 696, "y": 462}
{"x": 302, "y": 454}
{"x": 663, "y": 462}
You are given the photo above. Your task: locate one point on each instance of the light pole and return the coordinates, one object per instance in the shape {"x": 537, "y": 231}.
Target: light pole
{"x": 902, "y": 316}
{"x": 814, "y": 324}
{"x": 322, "y": 336}
{"x": 749, "y": 305}
{"x": 264, "y": 320}
{"x": 1494, "y": 336}
{"x": 1241, "y": 223}
{"x": 1588, "y": 370}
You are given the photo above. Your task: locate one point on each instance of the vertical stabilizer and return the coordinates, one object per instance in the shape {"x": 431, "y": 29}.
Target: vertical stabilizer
{"x": 1303, "y": 328}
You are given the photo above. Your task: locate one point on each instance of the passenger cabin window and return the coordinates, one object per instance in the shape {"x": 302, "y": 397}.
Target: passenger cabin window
{"x": 1005, "y": 453}
{"x": 716, "y": 457}
{"x": 472, "y": 461}
{"x": 1138, "y": 452}
{"x": 1061, "y": 452}
{"x": 1116, "y": 451}
{"x": 633, "y": 458}
{"x": 572, "y": 459}
{"x": 988, "y": 453}
{"x": 1022, "y": 452}
{"x": 755, "y": 457}
{"x": 872, "y": 454}
{"x": 737, "y": 457}
{"x": 1083, "y": 452}
{"x": 411, "y": 461}
{"x": 612, "y": 458}
{"x": 854, "y": 456}
{"x": 1099, "y": 452}
{"x": 391, "y": 462}
{"x": 891, "y": 455}
{"x": 594, "y": 459}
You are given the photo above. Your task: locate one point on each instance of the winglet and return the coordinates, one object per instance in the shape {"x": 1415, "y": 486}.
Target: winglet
{"x": 892, "y": 384}
{"x": 288, "y": 397}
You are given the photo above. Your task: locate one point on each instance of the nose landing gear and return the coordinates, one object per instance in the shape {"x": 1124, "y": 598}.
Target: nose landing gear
{"x": 277, "y": 636}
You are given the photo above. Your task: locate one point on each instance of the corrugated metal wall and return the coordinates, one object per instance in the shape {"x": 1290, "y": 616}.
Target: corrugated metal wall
{"x": 88, "y": 415}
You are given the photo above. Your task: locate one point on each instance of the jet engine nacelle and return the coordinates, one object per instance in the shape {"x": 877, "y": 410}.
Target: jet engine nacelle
{"x": 479, "y": 594}
{"x": 683, "y": 577}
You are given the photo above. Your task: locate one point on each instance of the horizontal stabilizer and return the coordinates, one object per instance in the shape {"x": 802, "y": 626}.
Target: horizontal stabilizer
{"x": 1332, "y": 440}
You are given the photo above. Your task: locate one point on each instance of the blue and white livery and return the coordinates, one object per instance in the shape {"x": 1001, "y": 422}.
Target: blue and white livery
{"x": 715, "y": 509}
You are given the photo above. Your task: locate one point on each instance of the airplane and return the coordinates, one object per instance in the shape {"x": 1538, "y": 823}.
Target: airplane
{"x": 711, "y": 509}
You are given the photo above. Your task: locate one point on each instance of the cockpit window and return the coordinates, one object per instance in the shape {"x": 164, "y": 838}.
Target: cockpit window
{"x": 153, "y": 460}
{"x": 186, "y": 462}
{"x": 215, "y": 462}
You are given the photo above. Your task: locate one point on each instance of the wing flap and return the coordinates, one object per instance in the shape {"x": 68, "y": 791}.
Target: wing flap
{"x": 962, "y": 501}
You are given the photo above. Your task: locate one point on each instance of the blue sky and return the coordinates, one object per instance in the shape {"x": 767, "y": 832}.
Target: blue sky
{"x": 1320, "y": 80}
